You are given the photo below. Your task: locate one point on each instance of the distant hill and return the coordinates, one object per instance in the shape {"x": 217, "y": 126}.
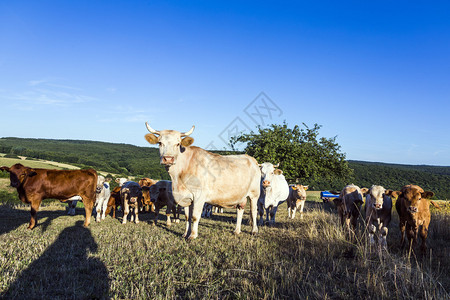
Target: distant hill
{"x": 137, "y": 161}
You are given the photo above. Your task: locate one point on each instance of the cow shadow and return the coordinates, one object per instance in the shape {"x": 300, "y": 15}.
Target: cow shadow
{"x": 64, "y": 271}
{"x": 12, "y": 218}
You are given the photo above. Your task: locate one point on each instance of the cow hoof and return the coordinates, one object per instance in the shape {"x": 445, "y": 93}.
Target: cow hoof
{"x": 177, "y": 221}
{"x": 237, "y": 232}
{"x": 255, "y": 233}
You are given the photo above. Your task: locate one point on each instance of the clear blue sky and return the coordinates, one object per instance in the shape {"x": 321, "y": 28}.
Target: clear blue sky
{"x": 376, "y": 74}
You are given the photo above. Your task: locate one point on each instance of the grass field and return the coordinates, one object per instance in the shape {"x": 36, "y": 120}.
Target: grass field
{"x": 4, "y": 161}
{"x": 305, "y": 258}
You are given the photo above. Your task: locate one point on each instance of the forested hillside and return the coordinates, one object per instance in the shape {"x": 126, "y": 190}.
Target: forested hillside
{"x": 127, "y": 159}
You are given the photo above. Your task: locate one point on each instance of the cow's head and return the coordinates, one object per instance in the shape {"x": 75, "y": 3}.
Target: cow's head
{"x": 412, "y": 196}
{"x": 171, "y": 143}
{"x": 121, "y": 180}
{"x": 376, "y": 193}
{"x": 267, "y": 172}
{"x": 18, "y": 174}
{"x": 299, "y": 193}
{"x": 102, "y": 183}
{"x": 146, "y": 195}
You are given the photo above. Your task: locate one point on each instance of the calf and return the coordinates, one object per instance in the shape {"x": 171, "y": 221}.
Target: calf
{"x": 378, "y": 214}
{"x": 147, "y": 182}
{"x": 160, "y": 194}
{"x": 296, "y": 200}
{"x": 131, "y": 198}
{"x": 349, "y": 206}
{"x": 34, "y": 185}
{"x": 113, "y": 202}
{"x": 103, "y": 194}
{"x": 413, "y": 209}
{"x": 274, "y": 191}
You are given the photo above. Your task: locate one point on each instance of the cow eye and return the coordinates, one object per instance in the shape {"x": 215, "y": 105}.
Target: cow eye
{"x": 178, "y": 145}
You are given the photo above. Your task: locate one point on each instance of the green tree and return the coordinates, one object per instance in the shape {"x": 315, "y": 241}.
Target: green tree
{"x": 302, "y": 154}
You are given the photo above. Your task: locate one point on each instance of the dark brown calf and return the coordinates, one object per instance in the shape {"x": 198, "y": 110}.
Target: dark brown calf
{"x": 147, "y": 182}
{"x": 349, "y": 206}
{"x": 160, "y": 194}
{"x": 34, "y": 185}
{"x": 413, "y": 209}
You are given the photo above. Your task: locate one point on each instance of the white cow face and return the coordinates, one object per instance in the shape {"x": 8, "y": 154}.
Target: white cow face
{"x": 171, "y": 143}
{"x": 377, "y": 193}
{"x": 267, "y": 172}
{"x": 100, "y": 181}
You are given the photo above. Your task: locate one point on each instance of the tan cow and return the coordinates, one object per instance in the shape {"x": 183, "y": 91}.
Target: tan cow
{"x": 378, "y": 214}
{"x": 296, "y": 200}
{"x": 147, "y": 182}
{"x": 349, "y": 206}
{"x": 200, "y": 177}
{"x": 413, "y": 209}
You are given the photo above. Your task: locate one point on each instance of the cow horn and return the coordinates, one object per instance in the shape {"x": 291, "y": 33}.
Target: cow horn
{"x": 189, "y": 132}
{"x": 151, "y": 129}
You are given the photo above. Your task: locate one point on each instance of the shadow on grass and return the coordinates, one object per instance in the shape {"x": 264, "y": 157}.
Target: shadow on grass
{"x": 12, "y": 218}
{"x": 64, "y": 270}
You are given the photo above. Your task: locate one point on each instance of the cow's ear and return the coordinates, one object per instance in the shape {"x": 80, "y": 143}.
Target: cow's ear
{"x": 427, "y": 194}
{"x": 334, "y": 192}
{"x": 117, "y": 180}
{"x": 187, "y": 141}
{"x": 294, "y": 188}
{"x": 305, "y": 187}
{"x": 31, "y": 172}
{"x": 278, "y": 172}
{"x": 394, "y": 194}
{"x": 364, "y": 191}
{"x": 151, "y": 138}
{"x": 4, "y": 169}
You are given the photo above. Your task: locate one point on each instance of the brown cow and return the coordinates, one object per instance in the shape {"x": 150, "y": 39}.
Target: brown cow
{"x": 147, "y": 182}
{"x": 34, "y": 185}
{"x": 413, "y": 209}
{"x": 114, "y": 201}
{"x": 349, "y": 206}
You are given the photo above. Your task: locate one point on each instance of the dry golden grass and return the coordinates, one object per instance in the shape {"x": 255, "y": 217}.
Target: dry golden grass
{"x": 307, "y": 258}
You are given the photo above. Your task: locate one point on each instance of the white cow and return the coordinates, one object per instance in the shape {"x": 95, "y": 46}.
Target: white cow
{"x": 103, "y": 193}
{"x": 378, "y": 214}
{"x": 121, "y": 180}
{"x": 274, "y": 191}
{"x": 200, "y": 177}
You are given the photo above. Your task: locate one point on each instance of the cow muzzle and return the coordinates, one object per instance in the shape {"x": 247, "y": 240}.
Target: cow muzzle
{"x": 99, "y": 189}
{"x": 168, "y": 160}
{"x": 377, "y": 205}
{"x": 266, "y": 183}
{"x": 413, "y": 209}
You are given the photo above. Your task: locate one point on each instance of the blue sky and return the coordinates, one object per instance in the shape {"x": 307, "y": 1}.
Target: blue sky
{"x": 376, "y": 75}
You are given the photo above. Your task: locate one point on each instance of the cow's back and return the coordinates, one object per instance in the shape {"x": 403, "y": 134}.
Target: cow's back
{"x": 62, "y": 184}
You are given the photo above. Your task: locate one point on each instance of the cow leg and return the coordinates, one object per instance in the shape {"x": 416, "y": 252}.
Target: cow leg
{"x": 156, "y": 213}
{"x": 188, "y": 216}
{"x": 177, "y": 213}
{"x": 98, "y": 210}
{"x": 88, "y": 206}
{"x": 35, "y": 203}
{"x": 126, "y": 210}
{"x": 136, "y": 212}
{"x": 423, "y": 235}
{"x": 293, "y": 212}
{"x": 196, "y": 215}
{"x": 253, "y": 213}
{"x": 372, "y": 230}
{"x": 104, "y": 207}
{"x": 240, "y": 213}
{"x": 273, "y": 213}
{"x": 302, "y": 205}
{"x": 261, "y": 214}
{"x": 384, "y": 233}
{"x": 402, "y": 226}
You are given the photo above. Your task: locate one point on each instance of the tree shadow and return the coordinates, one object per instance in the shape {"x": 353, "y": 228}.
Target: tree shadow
{"x": 64, "y": 271}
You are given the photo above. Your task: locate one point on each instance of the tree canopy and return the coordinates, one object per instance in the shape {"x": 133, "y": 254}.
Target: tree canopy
{"x": 302, "y": 154}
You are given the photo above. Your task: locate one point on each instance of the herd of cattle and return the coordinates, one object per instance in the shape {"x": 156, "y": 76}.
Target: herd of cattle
{"x": 201, "y": 180}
